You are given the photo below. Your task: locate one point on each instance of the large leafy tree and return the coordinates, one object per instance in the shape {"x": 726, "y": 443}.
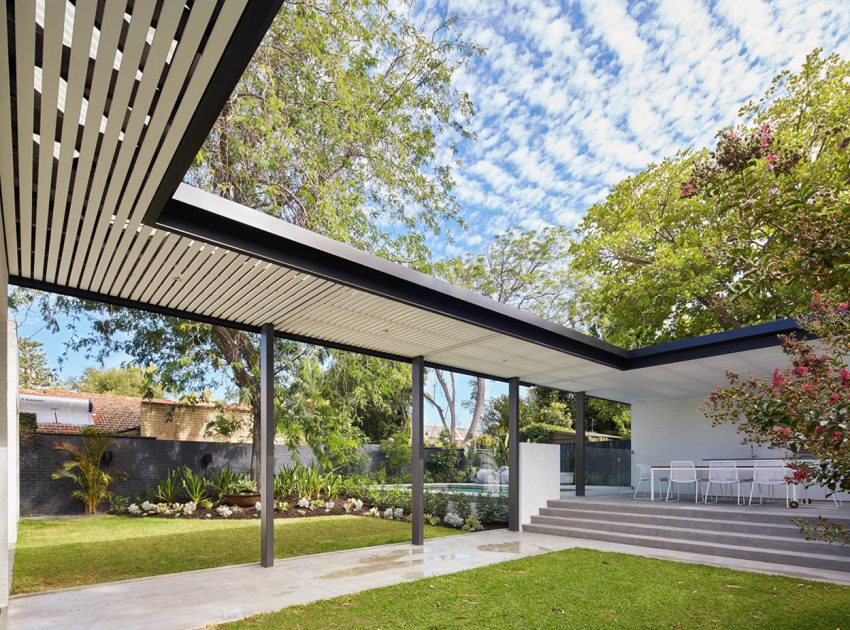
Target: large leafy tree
{"x": 130, "y": 380}
{"x": 708, "y": 241}
{"x": 34, "y": 371}
{"x": 523, "y": 268}
{"x": 338, "y": 125}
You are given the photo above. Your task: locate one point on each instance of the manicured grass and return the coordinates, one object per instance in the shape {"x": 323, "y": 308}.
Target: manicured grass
{"x": 580, "y": 588}
{"x": 55, "y": 554}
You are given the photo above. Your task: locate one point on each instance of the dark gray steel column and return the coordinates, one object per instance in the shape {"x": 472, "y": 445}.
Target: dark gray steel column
{"x": 417, "y": 445}
{"x": 513, "y": 455}
{"x": 581, "y": 400}
{"x": 267, "y": 445}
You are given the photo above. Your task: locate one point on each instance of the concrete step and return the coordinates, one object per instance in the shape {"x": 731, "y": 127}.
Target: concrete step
{"x": 771, "y": 514}
{"x": 743, "y": 527}
{"x": 759, "y": 554}
{"x": 786, "y": 540}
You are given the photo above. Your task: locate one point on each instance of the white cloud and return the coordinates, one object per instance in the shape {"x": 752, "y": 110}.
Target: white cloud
{"x": 573, "y": 97}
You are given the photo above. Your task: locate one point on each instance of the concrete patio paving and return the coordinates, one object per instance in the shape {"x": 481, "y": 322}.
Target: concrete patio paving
{"x": 199, "y": 598}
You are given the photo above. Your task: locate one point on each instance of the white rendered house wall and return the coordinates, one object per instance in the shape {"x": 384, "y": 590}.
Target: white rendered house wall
{"x": 667, "y": 430}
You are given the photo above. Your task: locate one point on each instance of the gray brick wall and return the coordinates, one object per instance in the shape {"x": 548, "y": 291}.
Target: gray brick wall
{"x": 142, "y": 459}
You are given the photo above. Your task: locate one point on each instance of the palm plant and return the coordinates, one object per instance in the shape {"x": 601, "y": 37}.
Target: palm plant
{"x": 84, "y": 468}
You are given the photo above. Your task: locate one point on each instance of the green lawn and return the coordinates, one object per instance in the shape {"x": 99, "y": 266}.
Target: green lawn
{"x": 55, "y": 554}
{"x": 580, "y": 588}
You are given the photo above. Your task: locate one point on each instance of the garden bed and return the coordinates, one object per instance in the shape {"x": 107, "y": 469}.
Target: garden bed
{"x": 294, "y": 509}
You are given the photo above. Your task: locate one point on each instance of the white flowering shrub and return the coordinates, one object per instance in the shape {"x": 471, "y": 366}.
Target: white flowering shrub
{"x": 388, "y": 513}
{"x": 189, "y": 508}
{"x": 133, "y": 509}
{"x": 304, "y": 503}
{"x": 373, "y": 511}
{"x": 329, "y": 506}
{"x": 302, "y": 512}
{"x": 452, "y": 520}
{"x": 147, "y": 506}
{"x": 224, "y": 510}
{"x": 352, "y": 505}
{"x": 236, "y": 509}
{"x": 258, "y": 506}
{"x": 398, "y": 513}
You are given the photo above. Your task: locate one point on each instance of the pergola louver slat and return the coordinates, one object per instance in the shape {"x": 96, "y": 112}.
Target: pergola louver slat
{"x": 93, "y": 222}
{"x": 83, "y": 30}
{"x": 181, "y": 63}
{"x": 25, "y": 94}
{"x": 104, "y": 61}
{"x": 217, "y": 41}
{"x": 155, "y": 63}
{"x": 51, "y": 58}
{"x": 7, "y": 188}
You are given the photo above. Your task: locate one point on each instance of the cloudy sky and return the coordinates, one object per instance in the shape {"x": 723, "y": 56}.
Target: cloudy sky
{"x": 572, "y": 97}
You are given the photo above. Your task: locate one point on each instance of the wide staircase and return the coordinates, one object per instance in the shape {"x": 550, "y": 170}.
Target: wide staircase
{"x": 758, "y": 534}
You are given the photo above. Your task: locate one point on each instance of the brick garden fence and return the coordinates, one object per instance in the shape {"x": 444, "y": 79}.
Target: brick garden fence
{"x": 144, "y": 460}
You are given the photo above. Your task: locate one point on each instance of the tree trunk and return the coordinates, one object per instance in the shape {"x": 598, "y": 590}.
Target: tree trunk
{"x": 480, "y": 395}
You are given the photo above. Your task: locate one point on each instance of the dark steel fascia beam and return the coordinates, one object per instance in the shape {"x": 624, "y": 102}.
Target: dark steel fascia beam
{"x": 727, "y": 342}
{"x": 202, "y": 216}
{"x": 246, "y": 38}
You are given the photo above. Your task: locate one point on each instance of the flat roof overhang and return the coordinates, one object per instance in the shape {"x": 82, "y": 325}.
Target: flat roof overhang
{"x": 104, "y": 218}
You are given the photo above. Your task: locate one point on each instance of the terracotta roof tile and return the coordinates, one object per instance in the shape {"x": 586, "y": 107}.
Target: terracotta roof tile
{"x": 113, "y": 414}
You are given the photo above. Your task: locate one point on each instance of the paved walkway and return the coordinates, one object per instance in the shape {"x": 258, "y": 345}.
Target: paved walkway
{"x": 198, "y": 598}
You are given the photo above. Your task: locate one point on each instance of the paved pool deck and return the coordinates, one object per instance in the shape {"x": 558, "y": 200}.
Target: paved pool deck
{"x": 200, "y": 598}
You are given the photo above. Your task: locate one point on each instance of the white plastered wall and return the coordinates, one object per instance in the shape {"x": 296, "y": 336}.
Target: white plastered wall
{"x": 667, "y": 430}
{"x": 9, "y": 460}
{"x": 539, "y": 477}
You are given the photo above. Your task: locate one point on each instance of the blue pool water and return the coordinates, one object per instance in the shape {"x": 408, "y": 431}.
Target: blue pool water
{"x": 474, "y": 489}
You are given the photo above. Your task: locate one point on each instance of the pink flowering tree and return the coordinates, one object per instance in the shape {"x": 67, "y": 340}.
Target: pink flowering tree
{"x": 803, "y": 408}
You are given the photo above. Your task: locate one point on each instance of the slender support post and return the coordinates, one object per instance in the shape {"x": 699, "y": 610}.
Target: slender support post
{"x": 513, "y": 455}
{"x": 417, "y": 444}
{"x": 267, "y": 445}
{"x": 581, "y": 403}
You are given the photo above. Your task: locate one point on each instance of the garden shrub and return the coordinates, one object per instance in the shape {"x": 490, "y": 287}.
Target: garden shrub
{"x": 539, "y": 432}
{"x": 397, "y": 454}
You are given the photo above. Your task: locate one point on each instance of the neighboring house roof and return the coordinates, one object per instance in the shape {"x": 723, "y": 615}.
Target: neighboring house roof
{"x": 113, "y": 414}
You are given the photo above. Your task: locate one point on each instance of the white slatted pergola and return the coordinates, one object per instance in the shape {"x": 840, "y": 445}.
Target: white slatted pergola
{"x": 104, "y": 105}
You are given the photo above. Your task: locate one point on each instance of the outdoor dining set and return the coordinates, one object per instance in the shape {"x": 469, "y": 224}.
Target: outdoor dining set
{"x": 721, "y": 478}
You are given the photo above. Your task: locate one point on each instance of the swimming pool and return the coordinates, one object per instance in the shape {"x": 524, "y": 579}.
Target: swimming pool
{"x": 473, "y": 489}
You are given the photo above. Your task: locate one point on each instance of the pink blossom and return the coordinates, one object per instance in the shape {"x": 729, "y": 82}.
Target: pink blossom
{"x": 783, "y": 432}
{"x": 843, "y": 306}
{"x": 801, "y": 370}
{"x": 773, "y": 192}
{"x": 751, "y": 201}
{"x": 687, "y": 190}
{"x": 808, "y": 388}
{"x": 836, "y": 397}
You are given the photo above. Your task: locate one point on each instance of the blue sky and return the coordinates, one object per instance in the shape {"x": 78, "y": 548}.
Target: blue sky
{"x": 573, "y": 97}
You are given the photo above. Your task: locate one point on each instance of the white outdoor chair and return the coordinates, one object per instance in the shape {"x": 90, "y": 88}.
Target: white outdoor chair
{"x": 645, "y": 475}
{"x": 683, "y": 472}
{"x": 724, "y": 475}
{"x": 769, "y": 473}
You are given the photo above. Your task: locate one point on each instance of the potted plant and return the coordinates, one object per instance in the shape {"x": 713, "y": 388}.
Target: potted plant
{"x": 243, "y": 492}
